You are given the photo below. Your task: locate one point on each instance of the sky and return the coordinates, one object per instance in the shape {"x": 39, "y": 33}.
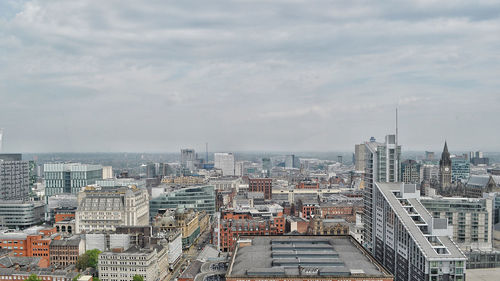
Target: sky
{"x": 281, "y": 75}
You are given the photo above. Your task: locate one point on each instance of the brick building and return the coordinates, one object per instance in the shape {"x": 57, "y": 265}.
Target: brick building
{"x": 66, "y": 252}
{"x": 237, "y": 223}
{"x": 307, "y": 185}
{"x": 32, "y": 242}
{"x": 261, "y": 185}
{"x": 63, "y": 213}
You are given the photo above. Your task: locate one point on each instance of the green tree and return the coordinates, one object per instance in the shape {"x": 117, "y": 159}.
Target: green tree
{"x": 33, "y": 277}
{"x": 88, "y": 259}
{"x": 138, "y": 277}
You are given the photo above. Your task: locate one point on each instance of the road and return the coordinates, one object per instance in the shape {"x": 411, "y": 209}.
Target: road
{"x": 188, "y": 256}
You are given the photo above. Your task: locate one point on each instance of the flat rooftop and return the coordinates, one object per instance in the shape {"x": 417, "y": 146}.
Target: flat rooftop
{"x": 302, "y": 256}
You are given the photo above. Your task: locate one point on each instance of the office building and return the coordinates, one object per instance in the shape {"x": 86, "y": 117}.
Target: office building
{"x": 274, "y": 258}
{"x": 106, "y": 208}
{"x": 408, "y": 241}
{"x": 198, "y": 198}
{"x": 190, "y": 222}
{"x": 14, "y": 177}
{"x": 21, "y": 214}
{"x": 460, "y": 169}
{"x": 471, "y": 219}
{"x": 410, "y": 171}
{"x": 31, "y": 242}
{"x": 429, "y": 156}
{"x": 267, "y": 166}
{"x": 225, "y": 162}
{"x": 124, "y": 264}
{"x": 188, "y": 159}
{"x": 382, "y": 164}
{"x": 292, "y": 161}
{"x": 264, "y": 186}
{"x": 69, "y": 178}
{"x": 359, "y": 157}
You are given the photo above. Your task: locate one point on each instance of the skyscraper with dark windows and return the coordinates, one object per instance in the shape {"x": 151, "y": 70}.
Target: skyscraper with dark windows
{"x": 14, "y": 177}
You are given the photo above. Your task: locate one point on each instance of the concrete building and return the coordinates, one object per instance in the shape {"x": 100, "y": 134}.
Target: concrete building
{"x": 359, "y": 157}
{"x": 14, "y": 177}
{"x": 382, "y": 164}
{"x": 410, "y": 171}
{"x": 107, "y": 172}
{"x": 69, "y": 178}
{"x": 226, "y": 183}
{"x": 65, "y": 252}
{"x": 408, "y": 241}
{"x": 124, "y": 264}
{"x": 190, "y": 222}
{"x": 471, "y": 219}
{"x": 21, "y": 214}
{"x": 291, "y": 162}
{"x": 225, "y": 162}
{"x": 460, "y": 169}
{"x": 106, "y": 208}
{"x": 188, "y": 159}
{"x": 198, "y": 198}
{"x": 274, "y": 258}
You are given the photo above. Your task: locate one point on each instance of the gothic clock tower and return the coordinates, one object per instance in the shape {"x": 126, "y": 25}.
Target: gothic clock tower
{"x": 445, "y": 169}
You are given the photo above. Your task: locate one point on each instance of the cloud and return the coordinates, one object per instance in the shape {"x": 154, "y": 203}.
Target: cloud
{"x": 322, "y": 75}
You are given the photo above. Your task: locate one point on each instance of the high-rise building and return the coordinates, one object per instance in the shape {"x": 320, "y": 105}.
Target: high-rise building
{"x": 292, "y": 161}
{"x": 359, "y": 157}
{"x": 410, "y": 171}
{"x": 106, "y": 208}
{"x": 408, "y": 241}
{"x": 188, "y": 159}
{"x": 14, "y": 177}
{"x": 445, "y": 169}
{"x": 69, "y": 178}
{"x": 382, "y": 164}
{"x": 460, "y": 169}
{"x": 429, "y": 156}
{"x": 107, "y": 172}
{"x": 264, "y": 186}
{"x": 225, "y": 162}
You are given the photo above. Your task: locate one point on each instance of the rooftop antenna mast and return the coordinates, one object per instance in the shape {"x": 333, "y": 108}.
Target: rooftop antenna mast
{"x": 206, "y": 152}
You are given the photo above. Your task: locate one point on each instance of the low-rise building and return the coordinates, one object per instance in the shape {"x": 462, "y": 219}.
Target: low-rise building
{"x": 122, "y": 264}
{"x": 189, "y": 222}
{"x": 102, "y": 209}
{"x": 274, "y": 258}
{"x": 65, "y": 252}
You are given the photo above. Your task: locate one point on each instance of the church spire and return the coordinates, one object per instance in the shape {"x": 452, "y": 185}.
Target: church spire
{"x": 445, "y": 150}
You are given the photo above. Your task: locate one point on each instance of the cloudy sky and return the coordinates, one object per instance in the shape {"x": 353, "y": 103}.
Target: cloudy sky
{"x": 291, "y": 75}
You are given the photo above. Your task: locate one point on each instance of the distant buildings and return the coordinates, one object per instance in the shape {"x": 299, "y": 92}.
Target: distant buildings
{"x": 107, "y": 172}
{"x": 14, "y": 177}
{"x": 188, "y": 159}
{"x": 70, "y": 178}
{"x": 198, "y": 198}
{"x": 292, "y": 161}
{"x": 225, "y": 162}
{"x": 107, "y": 208}
{"x": 410, "y": 171}
{"x": 477, "y": 158}
{"x": 460, "y": 169}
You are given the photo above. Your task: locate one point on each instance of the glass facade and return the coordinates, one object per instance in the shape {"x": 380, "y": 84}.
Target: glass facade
{"x": 70, "y": 178}
{"x": 198, "y": 198}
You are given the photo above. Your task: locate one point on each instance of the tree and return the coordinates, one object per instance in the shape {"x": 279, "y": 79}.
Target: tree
{"x": 88, "y": 259}
{"x": 138, "y": 277}
{"x": 33, "y": 277}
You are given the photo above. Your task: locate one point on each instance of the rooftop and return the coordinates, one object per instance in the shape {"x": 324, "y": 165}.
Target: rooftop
{"x": 297, "y": 256}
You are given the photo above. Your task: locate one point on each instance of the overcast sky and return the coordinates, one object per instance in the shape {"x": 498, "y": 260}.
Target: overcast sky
{"x": 248, "y": 75}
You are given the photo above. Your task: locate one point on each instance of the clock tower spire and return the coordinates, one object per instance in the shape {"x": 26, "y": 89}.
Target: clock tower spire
{"x": 445, "y": 169}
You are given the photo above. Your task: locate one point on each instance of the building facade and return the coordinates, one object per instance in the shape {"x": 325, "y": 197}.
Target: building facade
{"x": 124, "y": 265}
{"x": 106, "y": 208}
{"x": 445, "y": 170}
{"x": 382, "y": 164}
{"x": 198, "y": 198}
{"x": 264, "y": 186}
{"x": 14, "y": 177}
{"x": 225, "y": 162}
{"x": 65, "y": 252}
{"x": 410, "y": 171}
{"x": 409, "y": 242}
{"x": 69, "y": 178}
{"x": 21, "y": 214}
{"x": 471, "y": 219}
{"x": 460, "y": 169}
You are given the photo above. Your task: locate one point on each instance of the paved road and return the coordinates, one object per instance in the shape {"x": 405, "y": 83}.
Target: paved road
{"x": 188, "y": 255}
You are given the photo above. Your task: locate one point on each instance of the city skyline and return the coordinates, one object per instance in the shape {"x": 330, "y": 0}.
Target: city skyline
{"x": 281, "y": 76}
